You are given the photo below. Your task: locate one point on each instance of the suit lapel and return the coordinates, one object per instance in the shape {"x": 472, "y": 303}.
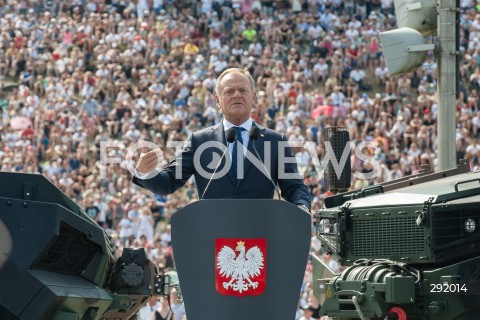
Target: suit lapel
{"x": 219, "y": 135}
{"x": 259, "y": 145}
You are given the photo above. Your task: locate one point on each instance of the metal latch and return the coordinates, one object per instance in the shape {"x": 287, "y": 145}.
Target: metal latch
{"x": 423, "y": 214}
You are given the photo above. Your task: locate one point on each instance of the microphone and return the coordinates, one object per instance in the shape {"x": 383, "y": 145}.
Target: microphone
{"x": 230, "y": 134}
{"x": 254, "y": 134}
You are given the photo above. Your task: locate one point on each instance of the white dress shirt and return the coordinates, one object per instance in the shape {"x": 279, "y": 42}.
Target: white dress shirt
{"x": 247, "y": 125}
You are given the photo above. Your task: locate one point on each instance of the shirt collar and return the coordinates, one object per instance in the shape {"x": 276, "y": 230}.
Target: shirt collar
{"x": 247, "y": 125}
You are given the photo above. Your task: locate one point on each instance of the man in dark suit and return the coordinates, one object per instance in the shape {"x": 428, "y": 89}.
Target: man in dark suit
{"x": 235, "y": 95}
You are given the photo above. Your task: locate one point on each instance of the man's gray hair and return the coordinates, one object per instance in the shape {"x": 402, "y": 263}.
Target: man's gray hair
{"x": 234, "y": 70}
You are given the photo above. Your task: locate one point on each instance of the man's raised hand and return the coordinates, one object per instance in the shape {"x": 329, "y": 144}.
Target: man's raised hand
{"x": 149, "y": 160}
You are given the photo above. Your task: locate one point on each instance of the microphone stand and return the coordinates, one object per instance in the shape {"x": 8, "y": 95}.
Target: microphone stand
{"x": 254, "y": 133}
{"x": 230, "y": 139}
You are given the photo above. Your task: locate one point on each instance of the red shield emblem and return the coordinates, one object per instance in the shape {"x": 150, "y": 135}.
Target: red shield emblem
{"x": 240, "y": 266}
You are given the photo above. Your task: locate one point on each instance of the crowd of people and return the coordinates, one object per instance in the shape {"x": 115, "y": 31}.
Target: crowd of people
{"x": 76, "y": 74}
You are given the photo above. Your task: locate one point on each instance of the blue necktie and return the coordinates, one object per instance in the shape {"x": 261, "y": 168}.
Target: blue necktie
{"x": 238, "y": 134}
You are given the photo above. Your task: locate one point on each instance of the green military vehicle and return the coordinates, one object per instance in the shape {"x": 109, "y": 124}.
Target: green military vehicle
{"x": 409, "y": 249}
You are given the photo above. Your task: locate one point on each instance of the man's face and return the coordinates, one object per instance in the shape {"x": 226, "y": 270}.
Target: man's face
{"x": 236, "y": 98}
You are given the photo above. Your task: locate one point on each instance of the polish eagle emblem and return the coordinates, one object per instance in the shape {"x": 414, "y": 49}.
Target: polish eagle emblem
{"x": 242, "y": 273}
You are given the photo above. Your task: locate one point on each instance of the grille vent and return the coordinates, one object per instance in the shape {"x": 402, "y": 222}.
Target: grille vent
{"x": 386, "y": 237}
{"x": 70, "y": 253}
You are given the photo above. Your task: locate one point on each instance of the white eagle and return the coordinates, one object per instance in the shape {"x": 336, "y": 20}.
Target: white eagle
{"x": 240, "y": 268}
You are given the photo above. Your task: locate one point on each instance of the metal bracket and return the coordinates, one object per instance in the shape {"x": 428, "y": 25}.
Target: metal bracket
{"x": 414, "y": 6}
{"x": 160, "y": 285}
{"x": 169, "y": 282}
{"x": 447, "y": 9}
{"x": 462, "y": 182}
{"x": 421, "y": 47}
{"x": 343, "y": 225}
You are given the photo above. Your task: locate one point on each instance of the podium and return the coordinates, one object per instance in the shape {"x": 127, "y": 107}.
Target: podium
{"x": 278, "y": 229}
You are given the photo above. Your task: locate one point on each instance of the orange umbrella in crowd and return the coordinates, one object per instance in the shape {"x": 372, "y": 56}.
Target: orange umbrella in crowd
{"x": 325, "y": 110}
{"x": 20, "y": 123}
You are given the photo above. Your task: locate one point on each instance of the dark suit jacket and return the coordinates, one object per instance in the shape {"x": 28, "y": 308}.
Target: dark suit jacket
{"x": 254, "y": 185}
